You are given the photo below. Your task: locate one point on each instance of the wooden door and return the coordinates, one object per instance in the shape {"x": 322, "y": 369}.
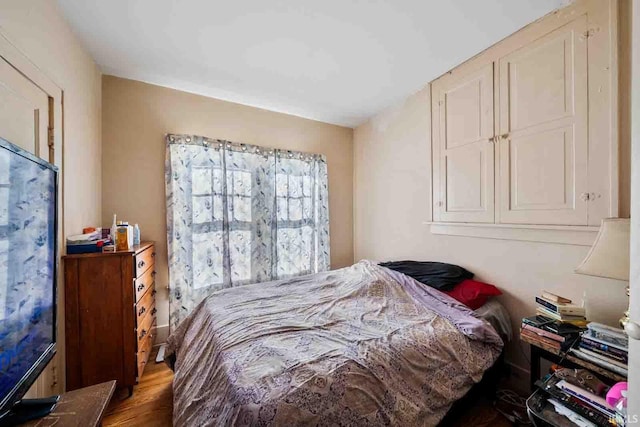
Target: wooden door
{"x": 24, "y": 112}
{"x": 463, "y": 130}
{"x": 26, "y": 117}
{"x": 543, "y": 142}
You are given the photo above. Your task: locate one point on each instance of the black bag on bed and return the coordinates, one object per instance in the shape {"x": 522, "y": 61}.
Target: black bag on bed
{"x": 439, "y": 275}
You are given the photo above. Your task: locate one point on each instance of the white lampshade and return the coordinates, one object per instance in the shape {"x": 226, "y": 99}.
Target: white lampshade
{"x": 609, "y": 255}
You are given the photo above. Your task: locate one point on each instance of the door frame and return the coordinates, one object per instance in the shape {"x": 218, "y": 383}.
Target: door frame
{"x": 55, "y": 372}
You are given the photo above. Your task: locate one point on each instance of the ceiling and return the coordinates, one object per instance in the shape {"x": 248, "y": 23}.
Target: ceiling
{"x": 336, "y": 61}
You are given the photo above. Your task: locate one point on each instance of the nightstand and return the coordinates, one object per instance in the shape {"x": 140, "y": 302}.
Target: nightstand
{"x": 540, "y": 351}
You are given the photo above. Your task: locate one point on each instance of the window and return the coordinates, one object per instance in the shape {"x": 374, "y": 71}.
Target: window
{"x": 208, "y": 218}
{"x": 295, "y": 223}
{"x": 240, "y": 214}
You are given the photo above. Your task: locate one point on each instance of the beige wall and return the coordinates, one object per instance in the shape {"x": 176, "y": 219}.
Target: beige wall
{"x": 38, "y": 29}
{"x": 136, "y": 116}
{"x": 392, "y": 179}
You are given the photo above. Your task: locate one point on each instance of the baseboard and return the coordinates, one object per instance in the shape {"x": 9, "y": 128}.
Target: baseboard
{"x": 161, "y": 333}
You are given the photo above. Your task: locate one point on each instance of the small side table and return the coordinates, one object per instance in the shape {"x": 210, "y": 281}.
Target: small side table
{"x": 83, "y": 407}
{"x": 540, "y": 351}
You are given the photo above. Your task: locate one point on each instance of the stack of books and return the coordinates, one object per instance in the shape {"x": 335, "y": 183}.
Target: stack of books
{"x": 604, "y": 346}
{"x": 86, "y": 243}
{"x": 548, "y": 332}
{"x": 560, "y": 309}
{"x": 572, "y": 399}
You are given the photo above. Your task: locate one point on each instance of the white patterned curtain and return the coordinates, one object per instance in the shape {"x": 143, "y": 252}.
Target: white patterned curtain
{"x": 240, "y": 214}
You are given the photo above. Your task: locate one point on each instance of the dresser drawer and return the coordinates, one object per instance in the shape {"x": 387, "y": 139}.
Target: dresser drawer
{"x": 145, "y": 260}
{"x": 146, "y": 305}
{"x": 144, "y": 327}
{"x": 144, "y": 350}
{"x": 144, "y": 283}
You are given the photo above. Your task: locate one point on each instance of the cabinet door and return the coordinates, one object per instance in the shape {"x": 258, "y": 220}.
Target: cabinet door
{"x": 463, "y": 129}
{"x": 543, "y": 127}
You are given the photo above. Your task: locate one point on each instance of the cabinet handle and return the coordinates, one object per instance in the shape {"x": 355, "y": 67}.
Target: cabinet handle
{"x": 153, "y": 254}
{"x": 140, "y": 287}
{"x": 143, "y": 334}
{"x": 141, "y": 311}
{"x": 153, "y": 311}
{"x": 504, "y": 135}
{"x": 141, "y": 264}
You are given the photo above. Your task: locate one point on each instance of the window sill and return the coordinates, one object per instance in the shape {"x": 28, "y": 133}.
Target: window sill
{"x": 560, "y": 234}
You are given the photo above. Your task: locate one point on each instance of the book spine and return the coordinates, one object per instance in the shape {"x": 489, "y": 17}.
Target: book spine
{"x": 556, "y": 298}
{"x": 560, "y": 309}
{"x": 593, "y": 400}
{"x": 603, "y": 358}
{"x": 548, "y": 305}
{"x": 622, "y": 343}
{"x": 548, "y": 313}
{"x": 606, "y": 355}
{"x": 544, "y": 333}
{"x": 602, "y": 363}
{"x": 605, "y": 348}
{"x": 538, "y": 338}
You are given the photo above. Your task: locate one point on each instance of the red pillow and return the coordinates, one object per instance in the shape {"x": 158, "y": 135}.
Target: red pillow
{"x": 473, "y": 294}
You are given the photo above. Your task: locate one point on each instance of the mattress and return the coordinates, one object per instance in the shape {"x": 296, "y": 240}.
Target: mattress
{"x": 498, "y": 316}
{"x": 362, "y": 345}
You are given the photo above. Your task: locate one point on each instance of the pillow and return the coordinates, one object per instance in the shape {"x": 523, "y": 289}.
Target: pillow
{"x": 472, "y": 293}
{"x": 438, "y": 275}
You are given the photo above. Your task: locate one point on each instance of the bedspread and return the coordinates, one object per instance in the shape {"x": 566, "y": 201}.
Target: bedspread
{"x": 362, "y": 345}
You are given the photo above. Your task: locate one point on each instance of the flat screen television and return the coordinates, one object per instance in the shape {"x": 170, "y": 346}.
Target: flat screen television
{"x": 28, "y": 245}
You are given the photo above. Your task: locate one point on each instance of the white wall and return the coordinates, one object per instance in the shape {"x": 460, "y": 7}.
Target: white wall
{"x": 392, "y": 199}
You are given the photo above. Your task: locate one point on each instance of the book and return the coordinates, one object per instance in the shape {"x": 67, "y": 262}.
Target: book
{"x": 609, "y": 334}
{"x": 544, "y": 333}
{"x": 575, "y": 320}
{"x": 564, "y": 328}
{"x": 598, "y": 361}
{"x": 589, "y": 337}
{"x": 539, "y": 339}
{"x": 555, "y": 298}
{"x": 573, "y": 417}
{"x": 537, "y": 321}
{"x": 605, "y": 348}
{"x": 604, "y": 358}
{"x": 593, "y": 400}
{"x": 570, "y": 310}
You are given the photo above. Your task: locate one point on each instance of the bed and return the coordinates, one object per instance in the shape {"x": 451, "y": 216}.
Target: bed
{"x": 363, "y": 345}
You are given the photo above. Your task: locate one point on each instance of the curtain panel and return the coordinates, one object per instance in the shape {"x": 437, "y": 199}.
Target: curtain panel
{"x": 240, "y": 214}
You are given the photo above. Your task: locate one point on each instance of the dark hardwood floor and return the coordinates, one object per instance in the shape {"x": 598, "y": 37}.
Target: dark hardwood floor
{"x": 152, "y": 403}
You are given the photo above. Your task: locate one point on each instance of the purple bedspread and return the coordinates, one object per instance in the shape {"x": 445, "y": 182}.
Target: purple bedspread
{"x": 362, "y": 345}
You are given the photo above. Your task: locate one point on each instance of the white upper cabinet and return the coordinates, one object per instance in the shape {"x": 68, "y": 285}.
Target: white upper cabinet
{"x": 543, "y": 130}
{"x": 464, "y": 123}
{"x": 525, "y": 133}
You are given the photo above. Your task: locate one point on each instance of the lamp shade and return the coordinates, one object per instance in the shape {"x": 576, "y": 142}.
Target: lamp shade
{"x": 609, "y": 255}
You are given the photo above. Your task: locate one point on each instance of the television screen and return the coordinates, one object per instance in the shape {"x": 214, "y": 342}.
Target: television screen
{"x": 27, "y": 269}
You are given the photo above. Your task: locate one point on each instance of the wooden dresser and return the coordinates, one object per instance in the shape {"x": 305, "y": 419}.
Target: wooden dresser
{"x": 109, "y": 314}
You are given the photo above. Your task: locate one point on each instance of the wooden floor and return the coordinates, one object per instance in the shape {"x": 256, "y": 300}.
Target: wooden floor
{"x": 152, "y": 403}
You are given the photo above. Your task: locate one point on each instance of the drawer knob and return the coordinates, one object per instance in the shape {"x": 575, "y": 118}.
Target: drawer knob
{"x": 153, "y": 273}
{"x": 141, "y": 311}
{"x": 141, "y": 264}
{"x": 140, "y": 287}
{"x": 153, "y": 292}
{"x": 143, "y": 334}
{"x": 153, "y": 254}
{"x": 153, "y": 311}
